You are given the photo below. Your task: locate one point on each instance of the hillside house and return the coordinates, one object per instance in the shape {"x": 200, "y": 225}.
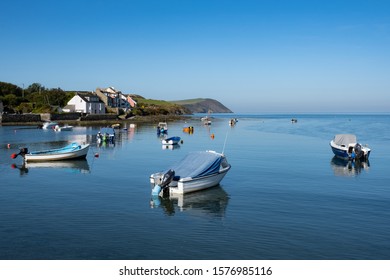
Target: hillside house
{"x": 115, "y": 99}
{"x": 87, "y": 103}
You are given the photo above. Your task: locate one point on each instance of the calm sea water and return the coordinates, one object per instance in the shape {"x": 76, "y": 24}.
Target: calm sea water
{"x": 285, "y": 197}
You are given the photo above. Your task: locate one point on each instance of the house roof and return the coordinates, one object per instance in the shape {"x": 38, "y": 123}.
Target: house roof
{"x": 87, "y": 97}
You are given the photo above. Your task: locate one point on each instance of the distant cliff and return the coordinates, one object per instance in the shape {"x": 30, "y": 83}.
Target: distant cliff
{"x": 203, "y": 105}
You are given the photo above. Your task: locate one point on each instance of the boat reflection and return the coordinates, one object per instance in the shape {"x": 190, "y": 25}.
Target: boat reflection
{"x": 76, "y": 166}
{"x": 171, "y": 147}
{"x": 348, "y": 168}
{"x": 210, "y": 202}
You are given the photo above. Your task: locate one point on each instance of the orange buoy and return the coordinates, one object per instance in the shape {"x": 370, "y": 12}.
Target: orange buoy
{"x": 212, "y": 136}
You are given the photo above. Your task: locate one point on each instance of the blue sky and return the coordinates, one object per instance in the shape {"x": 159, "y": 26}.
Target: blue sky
{"x": 253, "y": 56}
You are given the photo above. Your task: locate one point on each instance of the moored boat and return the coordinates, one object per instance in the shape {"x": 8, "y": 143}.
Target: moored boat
{"x": 72, "y": 151}
{"x": 171, "y": 140}
{"x": 162, "y": 128}
{"x": 106, "y": 135}
{"x": 63, "y": 128}
{"x": 196, "y": 171}
{"x": 49, "y": 125}
{"x": 346, "y": 146}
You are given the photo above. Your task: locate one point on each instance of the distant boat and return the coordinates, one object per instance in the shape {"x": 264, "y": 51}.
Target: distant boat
{"x": 49, "y": 125}
{"x": 171, "y": 141}
{"x": 294, "y": 120}
{"x": 72, "y": 151}
{"x": 232, "y": 122}
{"x": 196, "y": 171}
{"x": 162, "y": 128}
{"x": 63, "y": 128}
{"x": 188, "y": 129}
{"x": 106, "y": 134}
{"x": 206, "y": 120}
{"x": 346, "y": 146}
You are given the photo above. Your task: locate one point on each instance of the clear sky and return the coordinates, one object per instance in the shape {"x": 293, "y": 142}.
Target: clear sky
{"x": 253, "y": 56}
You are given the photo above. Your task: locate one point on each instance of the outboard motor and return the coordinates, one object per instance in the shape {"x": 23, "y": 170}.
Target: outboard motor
{"x": 22, "y": 152}
{"x": 166, "y": 179}
{"x": 358, "y": 151}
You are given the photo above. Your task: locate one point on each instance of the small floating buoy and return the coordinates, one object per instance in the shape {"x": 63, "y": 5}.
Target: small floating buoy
{"x": 212, "y": 136}
{"x": 96, "y": 154}
{"x": 181, "y": 142}
{"x": 9, "y": 146}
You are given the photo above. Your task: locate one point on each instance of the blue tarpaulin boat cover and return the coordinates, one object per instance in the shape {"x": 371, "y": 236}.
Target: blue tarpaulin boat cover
{"x": 198, "y": 164}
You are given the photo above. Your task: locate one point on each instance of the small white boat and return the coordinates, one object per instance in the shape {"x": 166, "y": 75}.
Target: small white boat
{"x": 63, "y": 128}
{"x": 232, "y": 122}
{"x": 171, "y": 141}
{"x": 106, "y": 135}
{"x": 49, "y": 125}
{"x": 345, "y": 146}
{"x": 72, "y": 151}
{"x": 206, "y": 120}
{"x": 162, "y": 128}
{"x": 197, "y": 171}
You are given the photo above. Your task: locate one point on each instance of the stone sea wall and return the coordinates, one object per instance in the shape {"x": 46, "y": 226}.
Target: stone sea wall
{"x": 22, "y": 118}
{"x": 34, "y": 118}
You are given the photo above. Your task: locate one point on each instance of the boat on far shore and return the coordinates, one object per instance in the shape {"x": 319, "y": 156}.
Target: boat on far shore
{"x": 63, "y": 128}
{"x": 49, "y": 125}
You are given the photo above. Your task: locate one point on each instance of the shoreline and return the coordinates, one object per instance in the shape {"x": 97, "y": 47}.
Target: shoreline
{"x": 136, "y": 120}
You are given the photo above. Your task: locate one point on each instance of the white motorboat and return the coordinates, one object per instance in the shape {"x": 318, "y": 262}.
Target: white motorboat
{"x": 346, "y": 146}
{"x": 162, "y": 128}
{"x": 63, "y": 128}
{"x": 72, "y": 151}
{"x": 49, "y": 125}
{"x": 196, "y": 171}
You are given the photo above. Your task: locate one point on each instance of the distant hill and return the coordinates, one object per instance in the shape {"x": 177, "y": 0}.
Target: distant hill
{"x": 203, "y": 105}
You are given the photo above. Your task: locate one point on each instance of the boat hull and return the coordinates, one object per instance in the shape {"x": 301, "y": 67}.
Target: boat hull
{"x": 198, "y": 184}
{"x": 54, "y": 156}
{"x": 187, "y": 185}
{"x": 348, "y": 152}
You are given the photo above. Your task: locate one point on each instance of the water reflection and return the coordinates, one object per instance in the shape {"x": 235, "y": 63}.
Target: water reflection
{"x": 210, "y": 202}
{"x": 170, "y": 147}
{"x": 348, "y": 168}
{"x": 73, "y": 166}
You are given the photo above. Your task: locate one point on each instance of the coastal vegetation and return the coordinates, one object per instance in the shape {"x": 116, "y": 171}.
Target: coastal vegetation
{"x": 33, "y": 99}
{"x": 38, "y": 99}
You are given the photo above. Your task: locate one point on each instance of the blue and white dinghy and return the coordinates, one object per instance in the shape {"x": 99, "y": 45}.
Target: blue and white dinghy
{"x": 71, "y": 151}
{"x": 196, "y": 171}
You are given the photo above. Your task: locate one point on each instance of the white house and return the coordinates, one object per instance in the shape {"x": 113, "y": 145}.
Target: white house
{"x": 88, "y": 103}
